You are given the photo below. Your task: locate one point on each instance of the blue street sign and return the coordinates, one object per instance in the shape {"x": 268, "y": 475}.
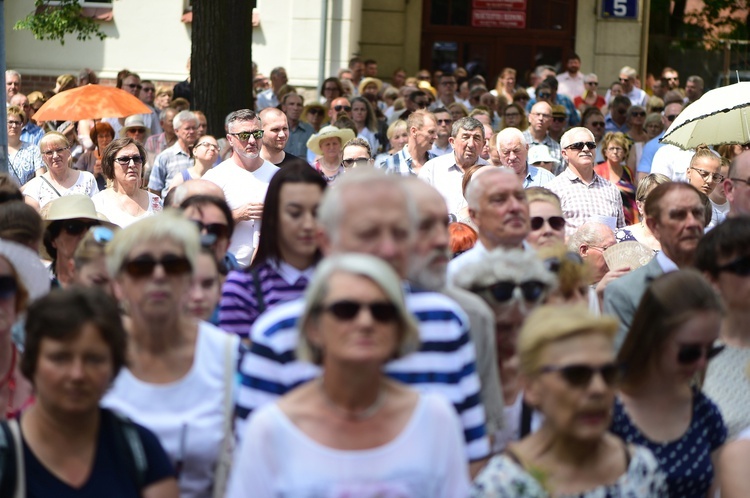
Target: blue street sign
{"x": 620, "y": 9}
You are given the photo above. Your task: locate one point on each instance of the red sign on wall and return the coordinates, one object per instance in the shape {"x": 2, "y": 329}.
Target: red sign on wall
{"x": 499, "y": 4}
{"x": 498, "y": 19}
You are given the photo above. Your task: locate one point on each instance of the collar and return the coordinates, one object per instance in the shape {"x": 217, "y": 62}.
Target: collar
{"x": 289, "y": 273}
{"x": 572, "y": 176}
{"x": 666, "y": 264}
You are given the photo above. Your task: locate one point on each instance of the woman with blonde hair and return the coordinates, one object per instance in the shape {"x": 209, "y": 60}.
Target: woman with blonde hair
{"x": 353, "y": 431}
{"x": 398, "y": 135}
{"x": 569, "y": 374}
{"x": 546, "y": 217}
{"x": 514, "y": 116}
{"x": 615, "y": 148}
{"x": 639, "y": 231}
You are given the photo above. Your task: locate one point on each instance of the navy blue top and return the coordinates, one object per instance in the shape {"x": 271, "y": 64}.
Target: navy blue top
{"x": 686, "y": 461}
{"x": 111, "y": 475}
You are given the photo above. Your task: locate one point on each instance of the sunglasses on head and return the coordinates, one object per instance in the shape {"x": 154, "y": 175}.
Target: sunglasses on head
{"x": 244, "y": 136}
{"x": 580, "y": 375}
{"x": 345, "y": 108}
{"x": 381, "y": 311}
{"x": 8, "y": 287}
{"x": 556, "y": 222}
{"x": 690, "y": 353}
{"x": 739, "y": 267}
{"x": 218, "y": 230}
{"x": 531, "y": 290}
{"x": 581, "y": 145}
{"x": 77, "y": 227}
{"x": 143, "y": 266}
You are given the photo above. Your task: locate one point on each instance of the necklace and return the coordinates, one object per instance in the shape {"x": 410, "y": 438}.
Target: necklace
{"x": 10, "y": 379}
{"x": 355, "y": 416}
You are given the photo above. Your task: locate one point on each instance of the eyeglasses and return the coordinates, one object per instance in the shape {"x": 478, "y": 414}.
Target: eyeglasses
{"x": 148, "y": 89}
{"x": 423, "y": 77}
{"x": 672, "y": 79}
{"x": 557, "y": 119}
{"x": 544, "y": 95}
{"x": 360, "y": 161}
{"x": 638, "y": 114}
{"x": 218, "y": 230}
{"x": 125, "y": 160}
{"x": 657, "y": 109}
{"x": 77, "y": 227}
{"x": 541, "y": 115}
{"x": 133, "y": 86}
{"x": 503, "y": 291}
{"x": 580, "y": 375}
{"x": 13, "y": 122}
{"x": 615, "y": 149}
{"x": 600, "y": 248}
{"x": 671, "y": 117}
{"x": 244, "y": 136}
{"x": 512, "y": 115}
{"x": 137, "y": 130}
{"x": 595, "y": 83}
{"x": 345, "y": 108}
{"x": 555, "y": 222}
{"x": 444, "y": 121}
{"x": 8, "y": 287}
{"x": 102, "y": 235}
{"x": 51, "y": 153}
{"x": 143, "y": 266}
{"x": 380, "y": 311}
{"x": 707, "y": 176}
{"x": 208, "y": 145}
{"x": 739, "y": 267}
{"x": 448, "y": 83}
{"x": 581, "y": 145}
{"x": 690, "y": 353}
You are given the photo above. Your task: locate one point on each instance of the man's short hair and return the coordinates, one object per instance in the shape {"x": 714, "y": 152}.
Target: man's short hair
{"x": 668, "y": 70}
{"x": 652, "y": 206}
{"x": 370, "y": 62}
{"x": 729, "y": 239}
{"x": 276, "y": 71}
{"x": 468, "y": 124}
{"x": 416, "y": 119}
{"x": 629, "y": 72}
{"x": 242, "y": 115}
{"x": 182, "y": 117}
{"x": 508, "y": 134}
{"x": 413, "y": 96}
{"x": 565, "y": 140}
{"x": 290, "y": 94}
{"x": 697, "y": 80}
{"x": 621, "y": 100}
{"x": 354, "y": 60}
{"x": 551, "y": 82}
{"x": 440, "y": 110}
{"x": 574, "y": 56}
{"x": 359, "y": 142}
{"x": 11, "y": 72}
{"x": 589, "y": 234}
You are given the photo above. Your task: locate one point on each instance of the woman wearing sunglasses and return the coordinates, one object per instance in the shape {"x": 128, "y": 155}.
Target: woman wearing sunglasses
{"x": 545, "y": 213}
{"x": 670, "y": 342}
{"x": 178, "y": 382}
{"x": 353, "y": 431}
{"x": 513, "y": 283}
{"x": 60, "y": 179}
{"x": 287, "y": 250}
{"x": 567, "y": 362}
{"x": 125, "y": 202}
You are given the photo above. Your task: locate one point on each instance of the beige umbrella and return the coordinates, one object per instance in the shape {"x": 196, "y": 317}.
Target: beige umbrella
{"x": 720, "y": 116}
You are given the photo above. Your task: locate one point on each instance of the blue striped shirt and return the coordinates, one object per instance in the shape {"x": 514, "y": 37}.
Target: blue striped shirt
{"x": 400, "y": 162}
{"x": 239, "y": 306}
{"x": 445, "y": 363}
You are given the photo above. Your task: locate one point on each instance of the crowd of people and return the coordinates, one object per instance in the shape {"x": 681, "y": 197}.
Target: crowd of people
{"x": 421, "y": 287}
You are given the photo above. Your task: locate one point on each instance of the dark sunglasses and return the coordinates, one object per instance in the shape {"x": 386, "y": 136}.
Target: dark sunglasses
{"x": 125, "y": 160}
{"x": 739, "y": 267}
{"x": 134, "y": 85}
{"x": 657, "y": 109}
{"x": 218, "y": 230}
{"x": 345, "y": 108}
{"x": 8, "y": 287}
{"x": 556, "y": 222}
{"x": 143, "y": 266}
{"x": 381, "y": 311}
{"x": 77, "y": 227}
{"x": 598, "y": 124}
{"x": 595, "y": 83}
{"x": 558, "y": 119}
{"x": 671, "y": 117}
{"x": 315, "y": 111}
{"x": 360, "y": 161}
{"x": 580, "y": 375}
{"x": 531, "y": 290}
{"x": 690, "y": 353}
{"x": 444, "y": 121}
{"x": 421, "y": 104}
{"x": 581, "y": 145}
{"x": 544, "y": 95}
{"x": 245, "y": 135}
{"x": 638, "y": 114}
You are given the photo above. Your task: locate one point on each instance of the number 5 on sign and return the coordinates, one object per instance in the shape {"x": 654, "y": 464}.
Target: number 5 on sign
{"x": 620, "y": 9}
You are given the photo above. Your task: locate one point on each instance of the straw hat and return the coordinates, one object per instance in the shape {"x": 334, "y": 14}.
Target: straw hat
{"x": 368, "y": 81}
{"x": 134, "y": 121}
{"x": 540, "y": 153}
{"x": 426, "y": 87}
{"x": 559, "y": 111}
{"x": 329, "y": 131}
{"x": 30, "y": 270}
{"x": 72, "y": 207}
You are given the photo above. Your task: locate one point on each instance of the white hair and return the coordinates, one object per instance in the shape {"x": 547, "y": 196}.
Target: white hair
{"x": 565, "y": 140}
{"x": 509, "y": 134}
{"x": 182, "y": 117}
{"x": 476, "y": 187}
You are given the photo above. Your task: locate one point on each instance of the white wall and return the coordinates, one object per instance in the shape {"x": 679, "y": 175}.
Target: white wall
{"x": 145, "y": 36}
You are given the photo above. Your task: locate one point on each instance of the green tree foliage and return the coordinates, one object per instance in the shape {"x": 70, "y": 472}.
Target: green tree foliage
{"x": 53, "y": 22}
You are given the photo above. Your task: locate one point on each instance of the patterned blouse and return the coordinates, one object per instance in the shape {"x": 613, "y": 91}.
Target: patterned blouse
{"x": 505, "y": 478}
{"x": 626, "y": 186}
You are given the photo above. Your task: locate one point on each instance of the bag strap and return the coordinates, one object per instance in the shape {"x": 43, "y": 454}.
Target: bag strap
{"x": 7, "y": 461}
{"x": 15, "y": 431}
{"x": 50, "y": 185}
{"x": 223, "y": 467}
{"x": 258, "y": 291}
{"x": 126, "y": 434}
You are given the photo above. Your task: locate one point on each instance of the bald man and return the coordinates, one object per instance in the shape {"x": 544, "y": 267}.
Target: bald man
{"x": 540, "y": 119}
{"x": 275, "y": 136}
{"x": 191, "y": 188}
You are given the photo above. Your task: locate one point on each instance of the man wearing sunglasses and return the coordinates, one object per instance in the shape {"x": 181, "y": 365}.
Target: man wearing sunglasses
{"x": 370, "y": 212}
{"x": 442, "y": 144}
{"x": 668, "y": 115}
{"x": 299, "y": 132}
{"x": 340, "y": 107}
{"x": 514, "y": 151}
{"x": 617, "y": 117}
{"x": 675, "y": 214}
{"x": 584, "y": 194}
{"x": 244, "y": 178}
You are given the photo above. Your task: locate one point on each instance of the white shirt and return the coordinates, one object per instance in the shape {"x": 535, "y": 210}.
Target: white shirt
{"x": 570, "y": 86}
{"x": 240, "y": 187}
{"x": 425, "y": 460}
{"x": 105, "y": 204}
{"x": 446, "y": 176}
{"x": 673, "y": 162}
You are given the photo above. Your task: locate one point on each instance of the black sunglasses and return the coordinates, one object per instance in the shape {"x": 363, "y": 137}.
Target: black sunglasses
{"x": 345, "y": 108}
{"x": 8, "y": 287}
{"x": 77, "y": 227}
{"x": 125, "y": 160}
{"x": 558, "y": 119}
{"x": 739, "y": 267}
{"x": 218, "y": 230}
{"x": 143, "y": 266}
{"x": 581, "y": 145}
{"x": 638, "y": 114}
{"x": 544, "y": 95}
{"x": 360, "y": 161}
{"x": 657, "y": 109}
{"x": 690, "y": 353}
{"x": 580, "y": 375}
{"x": 245, "y": 135}
{"x": 671, "y": 117}
{"x": 315, "y": 111}
{"x": 553, "y": 264}
{"x": 556, "y": 222}
{"x": 531, "y": 290}
{"x": 381, "y": 311}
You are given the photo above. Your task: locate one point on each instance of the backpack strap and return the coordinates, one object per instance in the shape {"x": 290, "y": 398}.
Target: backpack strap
{"x": 12, "y": 475}
{"x": 128, "y": 438}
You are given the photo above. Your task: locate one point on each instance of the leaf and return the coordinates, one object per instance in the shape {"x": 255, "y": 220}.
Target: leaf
{"x": 50, "y": 22}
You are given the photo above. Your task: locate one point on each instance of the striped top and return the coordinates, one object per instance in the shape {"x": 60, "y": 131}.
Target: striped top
{"x": 445, "y": 363}
{"x": 239, "y": 306}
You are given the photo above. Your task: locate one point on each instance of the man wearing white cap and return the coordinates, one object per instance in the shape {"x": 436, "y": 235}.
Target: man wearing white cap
{"x": 514, "y": 151}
